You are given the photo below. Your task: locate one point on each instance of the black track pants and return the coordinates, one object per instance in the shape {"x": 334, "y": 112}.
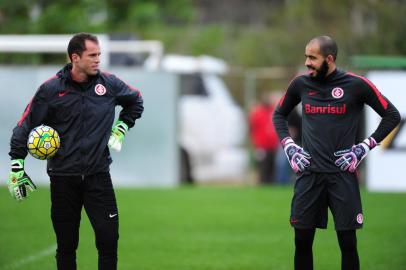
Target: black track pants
{"x": 96, "y": 194}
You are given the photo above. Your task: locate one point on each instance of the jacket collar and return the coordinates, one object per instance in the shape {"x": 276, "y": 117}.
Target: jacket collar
{"x": 65, "y": 73}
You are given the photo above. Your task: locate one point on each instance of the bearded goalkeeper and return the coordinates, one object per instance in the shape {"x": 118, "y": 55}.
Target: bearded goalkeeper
{"x": 332, "y": 104}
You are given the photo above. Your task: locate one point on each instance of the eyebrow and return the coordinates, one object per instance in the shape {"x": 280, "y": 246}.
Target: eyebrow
{"x": 310, "y": 55}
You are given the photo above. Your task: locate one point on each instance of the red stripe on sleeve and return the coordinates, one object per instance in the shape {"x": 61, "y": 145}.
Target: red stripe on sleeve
{"x": 383, "y": 102}
{"x": 129, "y": 86}
{"x": 26, "y": 112}
{"x": 284, "y": 96}
{"x": 53, "y": 77}
{"x": 133, "y": 88}
{"x": 282, "y": 100}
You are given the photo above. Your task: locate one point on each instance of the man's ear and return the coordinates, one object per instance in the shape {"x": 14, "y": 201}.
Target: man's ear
{"x": 330, "y": 59}
{"x": 75, "y": 57}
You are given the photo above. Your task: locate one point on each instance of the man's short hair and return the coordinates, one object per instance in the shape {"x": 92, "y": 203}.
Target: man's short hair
{"x": 77, "y": 43}
{"x": 327, "y": 46}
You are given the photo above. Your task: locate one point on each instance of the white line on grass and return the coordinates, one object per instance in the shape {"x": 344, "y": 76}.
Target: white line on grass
{"x": 29, "y": 259}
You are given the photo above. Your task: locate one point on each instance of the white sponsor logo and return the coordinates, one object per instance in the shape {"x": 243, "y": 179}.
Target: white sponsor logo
{"x": 100, "y": 89}
{"x": 112, "y": 215}
{"x": 360, "y": 218}
{"x": 337, "y": 92}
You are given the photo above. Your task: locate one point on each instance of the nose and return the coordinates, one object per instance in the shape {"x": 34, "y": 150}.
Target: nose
{"x": 308, "y": 62}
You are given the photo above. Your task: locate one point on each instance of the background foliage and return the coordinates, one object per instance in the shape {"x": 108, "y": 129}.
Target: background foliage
{"x": 245, "y": 33}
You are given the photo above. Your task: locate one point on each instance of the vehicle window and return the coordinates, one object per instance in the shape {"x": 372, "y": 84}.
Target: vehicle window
{"x": 192, "y": 84}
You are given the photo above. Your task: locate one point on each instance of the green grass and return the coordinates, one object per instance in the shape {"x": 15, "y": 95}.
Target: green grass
{"x": 203, "y": 228}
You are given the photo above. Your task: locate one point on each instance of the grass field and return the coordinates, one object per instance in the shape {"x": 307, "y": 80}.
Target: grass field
{"x": 202, "y": 228}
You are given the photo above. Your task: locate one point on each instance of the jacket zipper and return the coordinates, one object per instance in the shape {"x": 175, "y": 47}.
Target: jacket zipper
{"x": 82, "y": 128}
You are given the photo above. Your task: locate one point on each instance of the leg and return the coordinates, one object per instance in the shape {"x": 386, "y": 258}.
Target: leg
{"x": 344, "y": 200}
{"x": 66, "y": 207}
{"x": 309, "y": 211}
{"x": 348, "y": 246}
{"x": 309, "y": 202}
{"x": 101, "y": 208}
{"x": 345, "y": 205}
{"x": 304, "y": 249}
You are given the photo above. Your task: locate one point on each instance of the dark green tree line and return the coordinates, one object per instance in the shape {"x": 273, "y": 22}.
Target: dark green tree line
{"x": 254, "y": 33}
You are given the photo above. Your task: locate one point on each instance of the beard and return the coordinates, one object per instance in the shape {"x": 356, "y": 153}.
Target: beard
{"x": 321, "y": 72}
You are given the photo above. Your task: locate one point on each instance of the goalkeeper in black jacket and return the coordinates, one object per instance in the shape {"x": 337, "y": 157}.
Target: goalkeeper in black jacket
{"x": 79, "y": 103}
{"x": 332, "y": 104}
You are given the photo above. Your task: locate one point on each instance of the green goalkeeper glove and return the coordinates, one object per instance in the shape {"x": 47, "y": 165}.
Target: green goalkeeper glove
{"x": 117, "y": 135}
{"x": 19, "y": 181}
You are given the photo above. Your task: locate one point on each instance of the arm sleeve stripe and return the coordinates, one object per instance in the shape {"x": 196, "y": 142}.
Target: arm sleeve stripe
{"x": 26, "y": 112}
{"x": 129, "y": 86}
{"x": 53, "y": 77}
{"x": 284, "y": 96}
{"x": 134, "y": 89}
{"x": 282, "y": 100}
{"x": 383, "y": 102}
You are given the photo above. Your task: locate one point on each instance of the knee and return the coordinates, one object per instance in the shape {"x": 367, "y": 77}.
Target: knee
{"x": 304, "y": 238}
{"x": 347, "y": 240}
{"x": 110, "y": 239}
{"x": 67, "y": 237}
{"x": 107, "y": 240}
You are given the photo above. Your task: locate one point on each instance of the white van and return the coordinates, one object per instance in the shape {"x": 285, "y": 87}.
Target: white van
{"x": 212, "y": 127}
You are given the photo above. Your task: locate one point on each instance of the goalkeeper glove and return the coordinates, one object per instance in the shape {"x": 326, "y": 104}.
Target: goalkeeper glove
{"x": 352, "y": 157}
{"x": 298, "y": 158}
{"x": 19, "y": 181}
{"x": 117, "y": 135}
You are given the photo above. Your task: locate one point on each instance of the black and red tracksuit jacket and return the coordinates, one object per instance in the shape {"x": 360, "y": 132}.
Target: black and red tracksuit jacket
{"x": 331, "y": 111}
{"x": 82, "y": 114}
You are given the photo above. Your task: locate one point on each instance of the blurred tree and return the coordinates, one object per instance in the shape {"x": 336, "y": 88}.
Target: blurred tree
{"x": 57, "y": 17}
{"x": 131, "y": 15}
{"x": 15, "y": 16}
{"x": 245, "y": 33}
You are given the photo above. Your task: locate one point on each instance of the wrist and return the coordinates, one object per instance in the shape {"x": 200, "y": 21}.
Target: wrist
{"x": 370, "y": 143}
{"x": 286, "y": 141}
{"x": 17, "y": 165}
{"x": 121, "y": 127}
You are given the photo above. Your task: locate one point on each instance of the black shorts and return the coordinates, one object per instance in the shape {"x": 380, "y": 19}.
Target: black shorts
{"x": 315, "y": 192}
